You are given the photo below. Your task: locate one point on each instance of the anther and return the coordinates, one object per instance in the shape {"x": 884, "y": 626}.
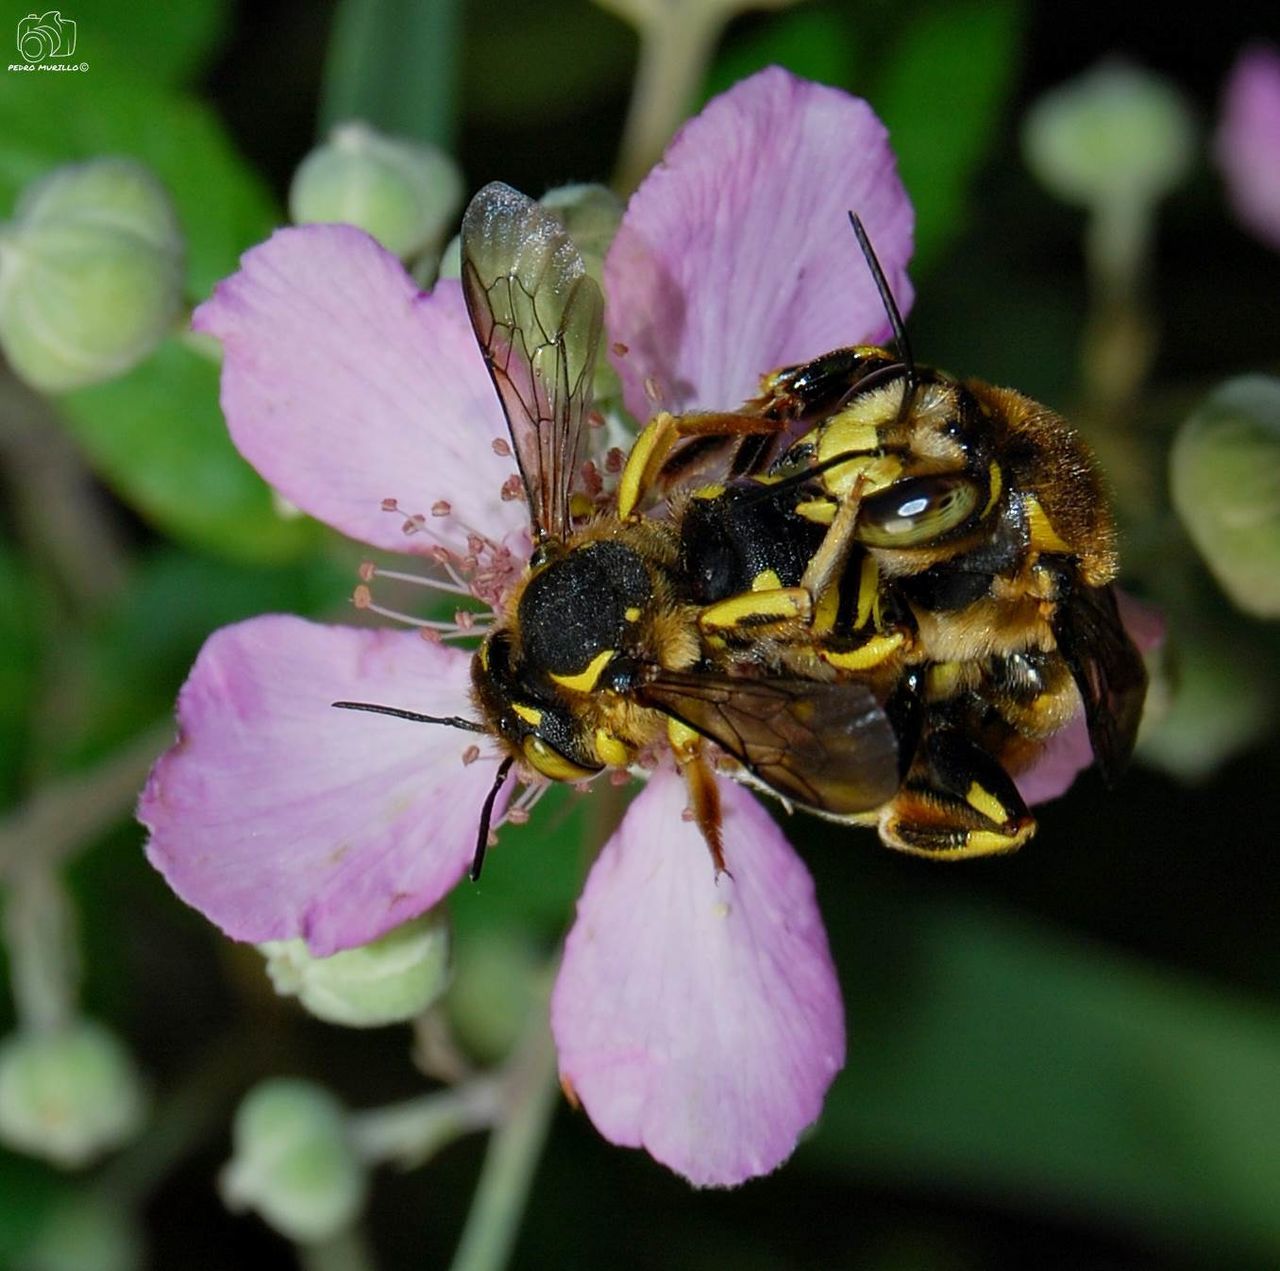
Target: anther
{"x": 441, "y": 507}
{"x": 653, "y": 390}
{"x": 614, "y": 459}
{"x": 620, "y": 349}
{"x": 595, "y": 419}
{"x": 470, "y": 755}
{"x": 501, "y": 447}
{"x": 362, "y": 597}
{"x": 517, "y": 816}
{"x": 512, "y": 489}
{"x": 367, "y": 571}
{"x": 430, "y": 635}
{"x": 390, "y": 505}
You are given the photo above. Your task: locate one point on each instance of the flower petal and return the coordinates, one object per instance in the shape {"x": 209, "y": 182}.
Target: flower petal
{"x": 1069, "y": 752}
{"x": 1248, "y": 141}
{"x": 735, "y": 255}
{"x": 699, "y": 1019}
{"x": 278, "y": 816}
{"x": 344, "y": 386}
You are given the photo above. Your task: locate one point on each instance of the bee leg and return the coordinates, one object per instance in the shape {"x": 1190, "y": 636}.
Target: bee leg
{"x": 704, "y": 794}
{"x": 828, "y": 562}
{"x": 653, "y": 446}
{"x": 956, "y": 802}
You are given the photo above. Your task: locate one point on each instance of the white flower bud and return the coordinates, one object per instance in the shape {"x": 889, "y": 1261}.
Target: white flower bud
{"x": 91, "y": 274}
{"x": 386, "y": 982}
{"x": 293, "y": 1162}
{"x": 68, "y": 1095}
{"x": 1225, "y": 478}
{"x": 403, "y": 193}
{"x": 1117, "y": 132}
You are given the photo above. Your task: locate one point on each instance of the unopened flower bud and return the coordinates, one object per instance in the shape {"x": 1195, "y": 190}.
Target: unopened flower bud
{"x": 403, "y": 193}
{"x": 1223, "y": 470}
{"x": 91, "y": 274}
{"x": 391, "y": 980}
{"x": 87, "y": 1232}
{"x": 293, "y": 1162}
{"x": 591, "y": 214}
{"x": 1117, "y": 132}
{"x": 494, "y": 985}
{"x": 68, "y": 1095}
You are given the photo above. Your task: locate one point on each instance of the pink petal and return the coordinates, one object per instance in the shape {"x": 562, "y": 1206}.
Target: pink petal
{"x": 344, "y": 386}
{"x": 1248, "y": 142}
{"x": 278, "y": 816}
{"x": 735, "y": 255}
{"x": 699, "y": 1019}
{"x": 1069, "y": 752}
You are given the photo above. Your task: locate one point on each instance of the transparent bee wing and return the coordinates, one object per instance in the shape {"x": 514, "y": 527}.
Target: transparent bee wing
{"x": 828, "y": 746}
{"x": 537, "y": 315}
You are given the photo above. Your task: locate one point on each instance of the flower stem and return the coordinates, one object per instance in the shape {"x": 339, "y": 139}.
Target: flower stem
{"x": 349, "y": 1250}
{"x": 410, "y": 1133}
{"x": 67, "y": 813}
{"x": 676, "y": 43}
{"x": 513, "y": 1154}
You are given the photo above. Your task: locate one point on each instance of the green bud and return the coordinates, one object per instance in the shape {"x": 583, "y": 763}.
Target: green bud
{"x": 1214, "y": 704}
{"x": 494, "y": 986}
{"x": 1225, "y": 475}
{"x": 91, "y": 274}
{"x": 402, "y": 193}
{"x": 68, "y": 1095}
{"x": 386, "y": 982}
{"x": 591, "y": 214}
{"x": 293, "y": 1162}
{"x": 451, "y": 259}
{"x": 1114, "y": 133}
{"x": 88, "y": 1232}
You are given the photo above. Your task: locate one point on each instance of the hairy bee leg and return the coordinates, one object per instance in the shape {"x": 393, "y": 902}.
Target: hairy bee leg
{"x": 653, "y": 446}
{"x": 956, "y": 802}
{"x": 704, "y": 794}
{"x": 828, "y": 562}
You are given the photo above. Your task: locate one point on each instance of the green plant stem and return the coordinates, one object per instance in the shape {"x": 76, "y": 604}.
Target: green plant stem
{"x": 39, "y": 929}
{"x": 349, "y": 1250}
{"x": 411, "y": 1133}
{"x": 514, "y": 1151}
{"x": 69, "y": 812}
{"x": 674, "y": 52}
{"x": 60, "y": 513}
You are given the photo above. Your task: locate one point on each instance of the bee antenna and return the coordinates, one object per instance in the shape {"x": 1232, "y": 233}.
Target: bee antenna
{"x": 486, "y": 818}
{"x": 886, "y": 299}
{"x": 450, "y": 721}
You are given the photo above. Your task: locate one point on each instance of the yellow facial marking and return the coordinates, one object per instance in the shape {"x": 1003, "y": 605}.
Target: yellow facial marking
{"x": 610, "y": 750}
{"x": 1044, "y": 538}
{"x": 550, "y": 763}
{"x": 868, "y": 590}
{"x": 997, "y": 485}
{"x": 824, "y": 616}
{"x": 713, "y": 491}
{"x": 766, "y": 580}
{"x": 819, "y": 511}
{"x": 872, "y": 653}
{"x": 989, "y": 843}
{"x": 585, "y": 680}
{"x": 984, "y": 801}
{"x": 756, "y": 608}
{"x": 530, "y": 714}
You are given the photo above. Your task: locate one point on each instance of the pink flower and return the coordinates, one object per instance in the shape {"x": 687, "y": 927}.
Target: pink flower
{"x": 1248, "y": 141}
{"x": 699, "y": 1018}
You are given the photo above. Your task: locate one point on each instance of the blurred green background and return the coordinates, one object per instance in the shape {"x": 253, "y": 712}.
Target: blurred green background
{"x": 1066, "y": 1058}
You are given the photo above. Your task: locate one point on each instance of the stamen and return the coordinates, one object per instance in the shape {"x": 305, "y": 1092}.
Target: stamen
{"x": 470, "y": 755}
{"x": 456, "y": 588}
{"x": 441, "y": 507}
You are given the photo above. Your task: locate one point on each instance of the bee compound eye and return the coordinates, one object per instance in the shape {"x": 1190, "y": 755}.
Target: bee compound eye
{"x": 917, "y": 511}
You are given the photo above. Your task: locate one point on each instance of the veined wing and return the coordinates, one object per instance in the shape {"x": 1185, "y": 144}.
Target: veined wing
{"x": 537, "y": 315}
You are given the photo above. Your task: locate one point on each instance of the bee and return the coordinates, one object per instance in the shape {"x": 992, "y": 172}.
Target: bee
{"x": 894, "y": 587}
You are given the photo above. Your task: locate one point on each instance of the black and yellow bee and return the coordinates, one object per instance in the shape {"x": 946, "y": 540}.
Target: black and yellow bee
{"x": 876, "y": 590}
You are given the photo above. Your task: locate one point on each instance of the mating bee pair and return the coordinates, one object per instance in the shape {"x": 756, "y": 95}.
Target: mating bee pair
{"x": 876, "y": 589}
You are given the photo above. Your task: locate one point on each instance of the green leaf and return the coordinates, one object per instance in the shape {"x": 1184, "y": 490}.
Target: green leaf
{"x": 157, "y": 437}
{"x": 394, "y": 64}
{"x": 1005, "y": 1061}
{"x": 941, "y": 89}
{"x": 46, "y": 120}
{"x": 166, "y": 43}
